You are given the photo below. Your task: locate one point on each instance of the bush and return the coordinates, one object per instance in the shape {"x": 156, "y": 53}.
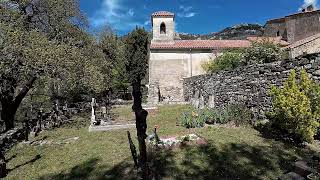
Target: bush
{"x": 192, "y": 120}
{"x": 223, "y": 115}
{"x": 296, "y": 106}
{"x": 229, "y": 60}
{"x": 263, "y": 52}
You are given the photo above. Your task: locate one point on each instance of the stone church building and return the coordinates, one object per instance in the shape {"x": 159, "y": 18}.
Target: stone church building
{"x": 301, "y": 30}
{"x": 172, "y": 60}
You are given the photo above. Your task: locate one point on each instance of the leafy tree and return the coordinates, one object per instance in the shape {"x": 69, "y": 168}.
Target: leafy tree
{"x": 113, "y": 48}
{"x": 41, "y": 43}
{"x": 263, "y": 52}
{"x": 296, "y": 106}
{"x": 230, "y": 59}
{"x": 137, "y": 63}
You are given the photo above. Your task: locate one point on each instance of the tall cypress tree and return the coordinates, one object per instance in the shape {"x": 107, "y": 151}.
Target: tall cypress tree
{"x": 136, "y": 66}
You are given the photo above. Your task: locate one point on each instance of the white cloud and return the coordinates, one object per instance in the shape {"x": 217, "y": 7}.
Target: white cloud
{"x": 130, "y": 12}
{"x": 147, "y": 22}
{"x": 186, "y": 12}
{"x": 185, "y": 9}
{"x": 186, "y": 15}
{"x": 310, "y": 2}
{"x": 115, "y": 14}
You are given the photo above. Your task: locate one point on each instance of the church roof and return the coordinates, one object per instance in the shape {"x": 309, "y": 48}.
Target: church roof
{"x": 277, "y": 40}
{"x": 202, "y": 44}
{"x": 277, "y": 20}
{"x": 303, "y": 41}
{"x": 162, "y": 13}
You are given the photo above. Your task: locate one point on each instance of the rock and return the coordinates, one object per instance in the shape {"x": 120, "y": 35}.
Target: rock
{"x": 316, "y": 73}
{"x": 32, "y": 135}
{"x": 302, "y": 168}
{"x": 291, "y": 176}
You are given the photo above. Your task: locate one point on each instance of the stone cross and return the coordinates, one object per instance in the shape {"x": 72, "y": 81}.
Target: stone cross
{"x": 93, "y": 114}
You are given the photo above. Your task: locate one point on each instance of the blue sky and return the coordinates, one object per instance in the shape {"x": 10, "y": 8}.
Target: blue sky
{"x": 192, "y": 16}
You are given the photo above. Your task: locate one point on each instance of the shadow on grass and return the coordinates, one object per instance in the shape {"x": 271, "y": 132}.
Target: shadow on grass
{"x": 37, "y": 157}
{"x": 231, "y": 161}
{"x": 81, "y": 171}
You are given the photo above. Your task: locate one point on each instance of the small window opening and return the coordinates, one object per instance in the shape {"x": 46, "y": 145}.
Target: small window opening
{"x": 162, "y": 28}
{"x": 278, "y": 33}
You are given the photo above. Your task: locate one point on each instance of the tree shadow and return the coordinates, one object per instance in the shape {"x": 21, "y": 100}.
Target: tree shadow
{"x": 210, "y": 161}
{"x": 11, "y": 158}
{"x": 81, "y": 171}
{"x": 37, "y": 157}
{"x": 231, "y": 161}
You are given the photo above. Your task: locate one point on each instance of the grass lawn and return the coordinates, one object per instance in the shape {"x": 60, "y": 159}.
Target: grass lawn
{"x": 239, "y": 153}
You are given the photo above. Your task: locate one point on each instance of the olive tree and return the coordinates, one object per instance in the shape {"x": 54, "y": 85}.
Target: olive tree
{"x": 43, "y": 41}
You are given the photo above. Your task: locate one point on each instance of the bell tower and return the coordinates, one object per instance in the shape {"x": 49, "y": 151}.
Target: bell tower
{"x": 163, "y": 27}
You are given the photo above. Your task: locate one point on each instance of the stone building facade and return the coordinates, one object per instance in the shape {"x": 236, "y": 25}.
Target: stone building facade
{"x": 172, "y": 60}
{"x": 300, "y": 30}
{"x": 294, "y": 27}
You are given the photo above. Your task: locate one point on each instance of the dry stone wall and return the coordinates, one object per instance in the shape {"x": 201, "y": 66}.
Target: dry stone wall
{"x": 248, "y": 86}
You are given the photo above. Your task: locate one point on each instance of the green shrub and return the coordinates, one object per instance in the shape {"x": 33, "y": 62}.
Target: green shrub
{"x": 263, "y": 52}
{"x": 296, "y": 106}
{"x": 192, "y": 120}
{"x": 239, "y": 114}
{"x": 223, "y": 115}
{"x": 229, "y": 60}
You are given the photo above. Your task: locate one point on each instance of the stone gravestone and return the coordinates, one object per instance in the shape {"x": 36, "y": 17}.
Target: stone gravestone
{"x": 104, "y": 111}
{"x": 211, "y": 102}
{"x": 93, "y": 114}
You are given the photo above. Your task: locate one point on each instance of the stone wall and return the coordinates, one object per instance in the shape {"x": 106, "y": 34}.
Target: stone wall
{"x": 247, "y": 85}
{"x": 8, "y": 139}
{"x": 273, "y": 27}
{"x": 168, "y": 68}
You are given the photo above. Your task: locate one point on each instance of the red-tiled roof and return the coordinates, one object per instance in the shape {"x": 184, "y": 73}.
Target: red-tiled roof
{"x": 303, "y": 41}
{"x": 162, "y": 13}
{"x": 202, "y": 44}
{"x": 276, "y": 40}
{"x": 292, "y": 15}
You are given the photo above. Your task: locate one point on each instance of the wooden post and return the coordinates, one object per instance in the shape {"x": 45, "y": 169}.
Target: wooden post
{"x": 133, "y": 150}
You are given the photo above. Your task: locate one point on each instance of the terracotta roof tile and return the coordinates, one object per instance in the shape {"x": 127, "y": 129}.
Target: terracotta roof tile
{"x": 202, "y": 44}
{"x": 162, "y": 13}
{"x": 292, "y": 15}
{"x": 277, "y": 40}
{"x": 303, "y": 41}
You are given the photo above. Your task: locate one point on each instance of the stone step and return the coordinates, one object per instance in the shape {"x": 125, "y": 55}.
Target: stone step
{"x": 291, "y": 176}
{"x": 111, "y": 127}
{"x": 302, "y": 168}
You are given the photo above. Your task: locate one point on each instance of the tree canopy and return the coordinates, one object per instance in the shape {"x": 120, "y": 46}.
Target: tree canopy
{"x": 44, "y": 43}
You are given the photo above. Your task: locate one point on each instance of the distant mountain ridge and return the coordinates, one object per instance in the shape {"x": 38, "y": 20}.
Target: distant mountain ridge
{"x": 237, "y": 32}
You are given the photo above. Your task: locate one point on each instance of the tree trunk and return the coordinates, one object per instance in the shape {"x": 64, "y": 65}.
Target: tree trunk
{"x": 11, "y": 104}
{"x": 3, "y": 167}
{"x": 7, "y": 114}
{"x": 141, "y": 125}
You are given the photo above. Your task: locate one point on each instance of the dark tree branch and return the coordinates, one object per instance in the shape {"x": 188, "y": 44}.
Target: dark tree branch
{"x": 24, "y": 91}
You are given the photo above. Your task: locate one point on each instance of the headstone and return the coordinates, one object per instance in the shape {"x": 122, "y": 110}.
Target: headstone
{"x": 93, "y": 115}
{"x": 104, "y": 110}
{"x": 211, "y": 102}
{"x": 291, "y": 176}
{"x": 302, "y": 168}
